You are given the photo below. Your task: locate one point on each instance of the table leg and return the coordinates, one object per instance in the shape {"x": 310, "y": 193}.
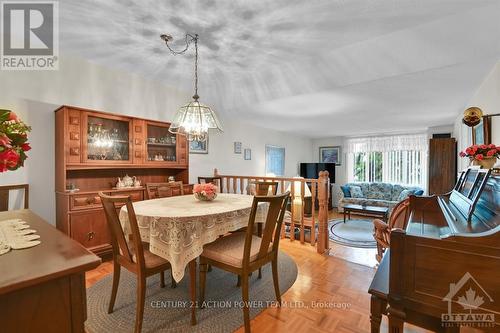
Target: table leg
{"x": 345, "y": 212}
{"x": 192, "y": 277}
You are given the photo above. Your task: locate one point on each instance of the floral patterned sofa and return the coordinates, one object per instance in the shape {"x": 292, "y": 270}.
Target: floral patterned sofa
{"x": 375, "y": 194}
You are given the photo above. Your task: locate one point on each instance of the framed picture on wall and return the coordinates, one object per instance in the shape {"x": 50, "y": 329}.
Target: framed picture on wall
{"x": 237, "y": 147}
{"x": 247, "y": 154}
{"x": 330, "y": 155}
{"x": 275, "y": 161}
{"x": 198, "y": 147}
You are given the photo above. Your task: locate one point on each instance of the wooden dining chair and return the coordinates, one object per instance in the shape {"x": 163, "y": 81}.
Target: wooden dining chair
{"x": 164, "y": 190}
{"x": 216, "y": 180}
{"x": 133, "y": 255}
{"x": 265, "y": 188}
{"x": 242, "y": 253}
{"x": 382, "y": 230}
{"x": 4, "y": 195}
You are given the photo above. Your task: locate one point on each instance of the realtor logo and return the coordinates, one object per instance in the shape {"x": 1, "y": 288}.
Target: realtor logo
{"x": 471, "y": 297}
{"x": 30, "y": 35}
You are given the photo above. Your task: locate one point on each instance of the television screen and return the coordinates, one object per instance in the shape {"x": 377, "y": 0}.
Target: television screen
{"x": 311, "y": 170}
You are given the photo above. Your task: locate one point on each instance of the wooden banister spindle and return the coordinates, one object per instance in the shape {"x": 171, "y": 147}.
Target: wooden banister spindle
{"x": 323, "y": 189}
{"x": 302, "y": 192}
{"x": 313, "y": 212}
{"x": 282, "y": 186}
{"x": 292, "y": 222}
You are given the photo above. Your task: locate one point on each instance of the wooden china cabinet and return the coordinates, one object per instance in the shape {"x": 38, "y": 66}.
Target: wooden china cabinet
{"x": 93, "y": 149}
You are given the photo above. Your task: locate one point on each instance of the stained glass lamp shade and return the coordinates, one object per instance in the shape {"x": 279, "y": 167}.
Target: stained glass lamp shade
{"x": 195, "y": 119}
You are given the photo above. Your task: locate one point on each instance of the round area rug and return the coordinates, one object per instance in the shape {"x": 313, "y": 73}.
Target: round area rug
{"x": 355, "y": 233}
{"x": 168, "y": 310}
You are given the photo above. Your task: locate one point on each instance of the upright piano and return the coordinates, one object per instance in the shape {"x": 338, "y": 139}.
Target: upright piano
{"x": 443, "y": 270}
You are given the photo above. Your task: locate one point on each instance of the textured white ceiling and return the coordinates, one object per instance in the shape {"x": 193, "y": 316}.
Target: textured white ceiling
{"x": 317, "y": 67}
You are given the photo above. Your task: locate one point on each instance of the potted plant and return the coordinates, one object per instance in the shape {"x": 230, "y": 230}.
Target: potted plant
{"x": 13, "y": 141}
{"x": 483, "y": 155}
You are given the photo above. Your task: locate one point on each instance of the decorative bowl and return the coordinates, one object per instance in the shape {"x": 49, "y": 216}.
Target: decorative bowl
{"x": 203, "y": 197}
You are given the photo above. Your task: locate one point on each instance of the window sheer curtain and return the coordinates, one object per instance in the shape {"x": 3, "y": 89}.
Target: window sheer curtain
{"x": 403, "y": 159}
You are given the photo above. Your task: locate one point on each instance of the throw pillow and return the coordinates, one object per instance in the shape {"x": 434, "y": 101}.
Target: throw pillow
{"x": 346, "y": 190}
{"x": 356, "y": 192}
{"x": 405, "y": 194}
{"x": 419, "y": 192}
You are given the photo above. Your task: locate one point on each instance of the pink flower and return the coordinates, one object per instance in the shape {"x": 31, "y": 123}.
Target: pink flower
{"x": 25, "y": 146}
{"x": 462, "y": 154}
{"x": 483, "y": 146}
{"x": 491, "y": 146}
{"x": 491, "y": 152}
{"x": 8, "y": 159}
{"x": 5, "y": 141}
{"x": 479, "y": 157}
{"x": 13, "y": 116}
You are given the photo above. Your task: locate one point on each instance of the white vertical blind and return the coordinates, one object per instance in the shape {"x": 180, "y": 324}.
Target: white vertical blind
{"x": 398, "y": 159}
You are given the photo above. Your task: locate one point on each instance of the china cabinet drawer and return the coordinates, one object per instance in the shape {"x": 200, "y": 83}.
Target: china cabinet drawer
{"x": 90, "y": 228}
{"x": 85, "y": 201}
{"x": 134, "y": 195}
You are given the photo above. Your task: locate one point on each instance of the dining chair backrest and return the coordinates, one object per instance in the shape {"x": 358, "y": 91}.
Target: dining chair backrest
{"x": 265, "y": 188}
{"x": 216, "y": 180}
{"x": 5, "y": 193}
{"x": 118, "y": 238}
{"x": 164, "y": 190}
{"x": 276, "y": 207}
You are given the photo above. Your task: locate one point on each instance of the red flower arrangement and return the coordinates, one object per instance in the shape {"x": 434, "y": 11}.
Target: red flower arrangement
{"x": 13, "y": 141}
{"x": 205, "y": 192}
{"x": 480, "y": 152}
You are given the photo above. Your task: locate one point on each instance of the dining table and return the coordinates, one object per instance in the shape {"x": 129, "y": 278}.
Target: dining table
{"x": 178, "y": 227}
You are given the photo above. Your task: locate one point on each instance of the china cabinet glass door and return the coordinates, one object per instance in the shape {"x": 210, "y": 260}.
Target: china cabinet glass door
{"x": 108, "y": 139}
{"x": 161, "y": 144}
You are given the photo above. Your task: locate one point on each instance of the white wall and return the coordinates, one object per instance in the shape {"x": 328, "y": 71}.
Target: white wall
{"x": 35, "y": 95}
{"x": 487, "y": 97}
{"x": 221, "y": 151}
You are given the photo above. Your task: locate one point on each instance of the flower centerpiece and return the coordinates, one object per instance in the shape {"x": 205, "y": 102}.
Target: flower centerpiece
{"x": 13, "y": 141}
{"x": 205, "y": 192}
{"x": 483, "y": 155}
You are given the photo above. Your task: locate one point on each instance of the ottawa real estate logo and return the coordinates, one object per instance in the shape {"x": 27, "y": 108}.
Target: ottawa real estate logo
{"x": 29, "y": 35}
{"x": 468, "y": 305}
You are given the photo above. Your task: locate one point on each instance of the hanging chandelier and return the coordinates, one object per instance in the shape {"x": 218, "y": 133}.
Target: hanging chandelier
{"x": 193, "y": 119}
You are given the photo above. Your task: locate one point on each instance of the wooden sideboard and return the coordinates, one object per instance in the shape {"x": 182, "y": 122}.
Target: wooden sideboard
{"x": 93, "y": 149}
{"x": 42, "y": 289}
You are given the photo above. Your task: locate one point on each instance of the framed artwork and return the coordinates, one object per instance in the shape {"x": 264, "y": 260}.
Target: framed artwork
{"x": 198, "y": 147}
{"x": 478, "y": 133}
{"x": 275, "y": 160}
{"x": 330, "y": 155}
{"x": 237, "y": 147}
{"x": 247, "y": 154}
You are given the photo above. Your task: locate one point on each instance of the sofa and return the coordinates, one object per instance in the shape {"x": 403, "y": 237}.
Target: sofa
{"x": 375, "y": 194}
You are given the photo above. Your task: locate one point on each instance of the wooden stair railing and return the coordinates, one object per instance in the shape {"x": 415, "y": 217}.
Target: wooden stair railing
{"x": 319, "y": 189}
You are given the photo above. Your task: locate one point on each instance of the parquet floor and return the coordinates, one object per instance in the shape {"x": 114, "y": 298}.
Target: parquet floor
{"x": 337, "y": 282}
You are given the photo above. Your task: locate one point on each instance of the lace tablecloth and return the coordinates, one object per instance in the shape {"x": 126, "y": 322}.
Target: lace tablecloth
{"x": 176, "y": 228}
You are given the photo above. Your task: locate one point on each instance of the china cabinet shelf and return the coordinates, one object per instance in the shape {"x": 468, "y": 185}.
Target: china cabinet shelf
{"x": 162, "y": 144}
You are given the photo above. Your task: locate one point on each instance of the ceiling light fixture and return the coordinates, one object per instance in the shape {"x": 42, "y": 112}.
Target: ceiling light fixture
{"x": 193, "y": 119}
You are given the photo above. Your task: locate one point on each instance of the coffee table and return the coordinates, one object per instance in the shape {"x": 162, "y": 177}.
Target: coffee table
{"x": 381, "y": 212}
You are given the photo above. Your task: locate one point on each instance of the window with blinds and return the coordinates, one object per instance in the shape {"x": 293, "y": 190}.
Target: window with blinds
{"x": 390, "y": 165}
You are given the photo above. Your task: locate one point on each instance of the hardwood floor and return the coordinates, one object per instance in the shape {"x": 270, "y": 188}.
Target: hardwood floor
{"x": 339, "y": 281}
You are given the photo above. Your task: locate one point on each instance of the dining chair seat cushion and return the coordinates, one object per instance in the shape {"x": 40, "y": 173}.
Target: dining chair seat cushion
{"x": 150, "y": 260}
{"x": 229, "y": 249}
